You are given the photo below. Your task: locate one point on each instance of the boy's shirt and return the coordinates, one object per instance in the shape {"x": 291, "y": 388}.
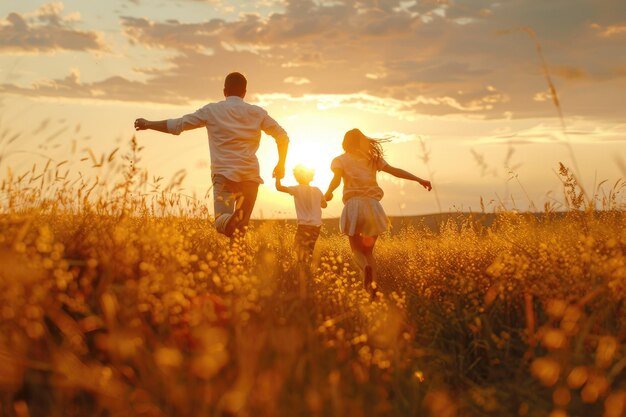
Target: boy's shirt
{"x": 308, "y": 204}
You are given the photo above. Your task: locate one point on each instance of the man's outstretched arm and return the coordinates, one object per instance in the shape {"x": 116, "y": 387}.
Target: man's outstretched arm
{"x": 143, "y": 124}
{"x": 176, "y": 126}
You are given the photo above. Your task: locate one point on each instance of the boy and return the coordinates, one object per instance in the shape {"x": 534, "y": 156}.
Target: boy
{"x": 309, "y": 203}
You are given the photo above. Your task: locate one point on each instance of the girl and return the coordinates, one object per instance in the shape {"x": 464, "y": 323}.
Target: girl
{"x": 363, "y": 218}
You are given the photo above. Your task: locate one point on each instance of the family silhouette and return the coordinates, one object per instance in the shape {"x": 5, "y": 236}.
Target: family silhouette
{"x": 234, "y": 130}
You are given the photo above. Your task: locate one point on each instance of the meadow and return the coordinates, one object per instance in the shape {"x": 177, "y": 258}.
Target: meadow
{"x": 118, "y": 298}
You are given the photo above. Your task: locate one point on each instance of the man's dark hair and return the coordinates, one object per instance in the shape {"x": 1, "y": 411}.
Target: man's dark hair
{"x": 235, "y": 84}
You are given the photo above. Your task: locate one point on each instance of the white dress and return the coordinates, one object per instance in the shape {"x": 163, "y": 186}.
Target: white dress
{"x": 362, "y": 214}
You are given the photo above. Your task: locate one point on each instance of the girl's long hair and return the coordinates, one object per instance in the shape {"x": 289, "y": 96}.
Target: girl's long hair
{"x": 355, "y": 141}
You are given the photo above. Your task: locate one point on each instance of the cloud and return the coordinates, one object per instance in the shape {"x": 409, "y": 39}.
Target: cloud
{"x": 569, "y": 72}
{"x": 400, "y": 108}
{"x": 401, "y": 50}
{"x": 610, "y": 31}
{"x": 46, "y": 30}
{"x": 578, "y": 131}
{"x": 431, "y": 57}
{"x": 297, "y": 80}
{"x": 112, "y": 88}
{"x": 172, "y": 34}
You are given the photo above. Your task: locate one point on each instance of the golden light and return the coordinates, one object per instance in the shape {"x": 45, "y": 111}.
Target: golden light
{"x": 313, "y": 156}
{"x": 315, "y": 142}
{"x": 315, "y": 139}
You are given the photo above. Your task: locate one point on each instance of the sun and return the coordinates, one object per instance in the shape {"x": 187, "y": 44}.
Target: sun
{"x": 316, "y": 156}
{"x": 315, "y": 140}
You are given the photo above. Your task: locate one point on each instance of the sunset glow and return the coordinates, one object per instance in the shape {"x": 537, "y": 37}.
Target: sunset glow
{"x": 462, "y": 77}
{"x": 173, "y": 241}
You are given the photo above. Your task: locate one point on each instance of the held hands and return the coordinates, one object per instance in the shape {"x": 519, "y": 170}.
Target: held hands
{"x": 279, "y": 172}
{"x": 328, "y": 196}
{"x": 141, "y": 124}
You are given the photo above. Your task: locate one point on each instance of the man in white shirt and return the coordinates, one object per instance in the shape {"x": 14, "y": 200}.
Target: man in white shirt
{"x": 234, "y": 129}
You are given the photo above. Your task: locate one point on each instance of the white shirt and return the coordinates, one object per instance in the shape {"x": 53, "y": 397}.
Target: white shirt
{"x": 308, "y": 204}
{"x": 359, "y": 176}
{"x": 234, "y": 128}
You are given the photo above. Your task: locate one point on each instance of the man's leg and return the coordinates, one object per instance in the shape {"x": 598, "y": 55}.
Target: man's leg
{"x": 224, "y": 201}
{"x": 246, "y": 198}
{"x": 233, "y": 203}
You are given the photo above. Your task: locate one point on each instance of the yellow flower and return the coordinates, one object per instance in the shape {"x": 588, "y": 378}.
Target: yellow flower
{"x": 546, "y": 370}
{"x": 577, "y": 377}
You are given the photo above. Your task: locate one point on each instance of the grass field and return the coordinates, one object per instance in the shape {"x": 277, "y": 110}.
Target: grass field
{"x": 129, "y": 306}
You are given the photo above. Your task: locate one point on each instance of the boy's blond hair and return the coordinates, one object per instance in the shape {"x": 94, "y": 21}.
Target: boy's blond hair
{"x": 302, "y": 174}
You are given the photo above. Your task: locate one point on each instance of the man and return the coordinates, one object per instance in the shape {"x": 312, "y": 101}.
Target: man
{"x": 234, "y": 128}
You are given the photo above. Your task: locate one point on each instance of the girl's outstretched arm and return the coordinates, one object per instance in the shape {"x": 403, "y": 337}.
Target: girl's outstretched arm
{"x": 400, "y": 173}
{"x": 334, "y": 183}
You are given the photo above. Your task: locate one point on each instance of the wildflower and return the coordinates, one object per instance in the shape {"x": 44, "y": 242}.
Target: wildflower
{"x": 167, "y": 358}
{"x": 546, "y": 370}
{"x": 605, "y": 352}
{"x": 561, "y": 397}
{"x": 577, "y": 377}
{"x": 615, "y": 404}
{"x": 554, "y": 339}
{"x": 556, "y": 308}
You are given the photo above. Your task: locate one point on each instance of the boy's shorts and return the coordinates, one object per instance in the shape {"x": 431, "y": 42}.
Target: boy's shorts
{"x": 305, "y": 239}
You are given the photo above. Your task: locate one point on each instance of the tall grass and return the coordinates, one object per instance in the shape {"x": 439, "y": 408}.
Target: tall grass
{"x": 117, "y": 297}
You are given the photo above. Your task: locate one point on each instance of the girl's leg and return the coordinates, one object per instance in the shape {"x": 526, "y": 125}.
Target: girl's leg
{"x": 368, "y": 243}
{"x": 357, "y": 251}
{"x": 362, "y": 248}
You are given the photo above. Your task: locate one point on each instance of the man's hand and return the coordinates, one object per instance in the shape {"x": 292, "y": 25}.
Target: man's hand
{"x": 328, "y": 196}
{"x": 426, "y": 184}
{"x": 279, "y": 172}
{"x": 141, "y": 124}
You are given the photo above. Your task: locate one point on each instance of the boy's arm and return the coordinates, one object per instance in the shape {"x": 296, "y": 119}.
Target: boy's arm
{"x": 334, "y": 183}
{"x": 281, "y": 187}
{"x": 400, "y": 173}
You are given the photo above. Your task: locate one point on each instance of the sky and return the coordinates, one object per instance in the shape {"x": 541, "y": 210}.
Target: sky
{"x": 465, "y": 89}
